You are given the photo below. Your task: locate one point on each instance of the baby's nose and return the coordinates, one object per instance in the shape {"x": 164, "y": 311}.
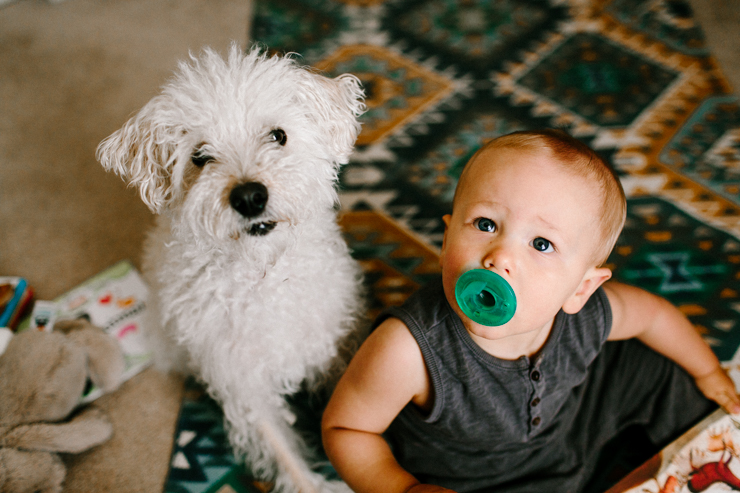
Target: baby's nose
{"x": 499, "y": 257}
{"x": 249, "y": 199}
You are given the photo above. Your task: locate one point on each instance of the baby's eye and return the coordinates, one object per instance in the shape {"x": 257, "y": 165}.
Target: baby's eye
{"x": 485, "y": 224}
{"x": 542, "y": 245}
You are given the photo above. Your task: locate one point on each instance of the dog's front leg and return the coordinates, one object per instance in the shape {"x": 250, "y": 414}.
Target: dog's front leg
{"x": 274, "y": 449}
{"x": 261, "y": 432}
{"x": 294, "y": 474}
{"x": 288, "y": 461}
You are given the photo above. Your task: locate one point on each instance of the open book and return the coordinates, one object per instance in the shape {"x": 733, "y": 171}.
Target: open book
{"x": 704, "y": 459}
{"x": 114, "y": 300}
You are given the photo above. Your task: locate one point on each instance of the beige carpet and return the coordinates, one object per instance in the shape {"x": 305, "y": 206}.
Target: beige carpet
{"x": 70, "y": 74}
{"x": 720, "y": 20}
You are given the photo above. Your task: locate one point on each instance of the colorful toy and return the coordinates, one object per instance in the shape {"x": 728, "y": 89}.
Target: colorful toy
{"x": 15, "y": 300}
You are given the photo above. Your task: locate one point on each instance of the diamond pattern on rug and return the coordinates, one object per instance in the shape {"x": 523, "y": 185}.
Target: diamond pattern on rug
{"x": 478, "y": 30}
{"x": 476, "y": 36}
{"x": 438, "y": 171}
{"x": 707, "y": 148}
{"x": 395, "y": 263}
{"x": 598, "y": 80}
{"x": 670, "y": 22}
{"x": 396, "y": 88}
{"x": 695, "y": 266}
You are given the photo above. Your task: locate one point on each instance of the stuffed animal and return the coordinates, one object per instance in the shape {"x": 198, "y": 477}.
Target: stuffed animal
{"x": 42, "y": 378}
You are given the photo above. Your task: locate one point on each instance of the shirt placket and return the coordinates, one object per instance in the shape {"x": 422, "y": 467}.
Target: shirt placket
{"x": 537, "y": 381}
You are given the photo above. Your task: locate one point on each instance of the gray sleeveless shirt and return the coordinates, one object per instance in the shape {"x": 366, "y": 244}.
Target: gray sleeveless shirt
{"x": 493, "y": 421}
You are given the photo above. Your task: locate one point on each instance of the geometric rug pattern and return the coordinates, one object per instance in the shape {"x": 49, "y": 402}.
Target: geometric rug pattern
{"x": 631, "y": 78}
{"x": 202, "y": 461}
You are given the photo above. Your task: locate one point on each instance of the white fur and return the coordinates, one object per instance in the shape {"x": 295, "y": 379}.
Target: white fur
{"x": 253, "y": 316}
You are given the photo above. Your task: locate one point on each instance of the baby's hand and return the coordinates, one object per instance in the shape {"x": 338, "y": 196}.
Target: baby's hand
{"x": 428, "y": 488}
{"x": 718, "y": 386}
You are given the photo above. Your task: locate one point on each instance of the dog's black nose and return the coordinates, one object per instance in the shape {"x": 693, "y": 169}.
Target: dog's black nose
{"x": 249, "y": 199}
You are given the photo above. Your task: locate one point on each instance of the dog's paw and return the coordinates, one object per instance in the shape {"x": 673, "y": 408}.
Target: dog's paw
{"x": 313, "y": 482}
{"x": 334, "y": 487}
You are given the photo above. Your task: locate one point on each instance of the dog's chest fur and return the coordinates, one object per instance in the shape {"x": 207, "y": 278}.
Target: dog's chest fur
{"x": 273, "y": 313}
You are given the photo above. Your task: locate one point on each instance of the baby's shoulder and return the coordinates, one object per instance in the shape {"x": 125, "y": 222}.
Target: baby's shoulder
{"x": 393, "y": 336}
{"x": 391, "y": 356}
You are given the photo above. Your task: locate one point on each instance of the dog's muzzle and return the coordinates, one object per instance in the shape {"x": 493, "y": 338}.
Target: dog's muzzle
{"x": 249, "y": 199}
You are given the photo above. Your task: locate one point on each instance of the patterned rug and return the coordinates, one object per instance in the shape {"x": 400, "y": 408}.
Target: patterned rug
{"x": 632, "y": 78}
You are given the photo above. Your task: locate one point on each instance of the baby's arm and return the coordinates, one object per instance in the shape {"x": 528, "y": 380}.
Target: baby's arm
{"x": 387, "y": 373}
{"x": 661, "y": 326}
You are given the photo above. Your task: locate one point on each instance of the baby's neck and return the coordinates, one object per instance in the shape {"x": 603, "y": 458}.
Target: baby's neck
{"x": 515, "y": 346}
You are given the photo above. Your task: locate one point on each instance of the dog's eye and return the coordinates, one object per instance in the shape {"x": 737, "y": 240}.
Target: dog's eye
{"x": 200, "y": 159}
{"x": 278, "y": 135}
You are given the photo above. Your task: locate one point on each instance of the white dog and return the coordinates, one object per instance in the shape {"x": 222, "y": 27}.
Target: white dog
{"x": 256, "y": 292}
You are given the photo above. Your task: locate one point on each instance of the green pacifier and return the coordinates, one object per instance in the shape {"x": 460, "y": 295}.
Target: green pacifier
{"x": 485, "y": 297}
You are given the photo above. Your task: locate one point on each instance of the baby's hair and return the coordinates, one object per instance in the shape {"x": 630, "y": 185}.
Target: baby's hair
{"x": 580, "y": 159}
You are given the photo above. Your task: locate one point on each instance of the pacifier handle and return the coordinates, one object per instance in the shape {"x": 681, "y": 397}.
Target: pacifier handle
{"x": 485, "y": 297}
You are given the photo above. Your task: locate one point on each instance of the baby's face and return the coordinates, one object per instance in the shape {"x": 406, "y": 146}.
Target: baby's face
{"x": 519, "y": 214}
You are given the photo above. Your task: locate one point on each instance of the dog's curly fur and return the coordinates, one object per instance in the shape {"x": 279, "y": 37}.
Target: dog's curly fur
{"x": 255, "y": 291}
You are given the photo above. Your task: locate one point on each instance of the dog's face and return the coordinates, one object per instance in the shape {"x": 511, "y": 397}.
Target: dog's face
{"x": 238, "y": 147}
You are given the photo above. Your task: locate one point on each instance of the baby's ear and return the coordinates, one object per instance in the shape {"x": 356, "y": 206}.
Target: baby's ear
{"x": 338, "y": 103}
{"x": 594, "y": 277}
{"x": 143, "y": 153}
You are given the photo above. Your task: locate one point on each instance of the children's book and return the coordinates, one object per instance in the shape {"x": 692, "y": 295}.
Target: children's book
{"x": 704, "y": 459}
{"x": 114, "y": 300}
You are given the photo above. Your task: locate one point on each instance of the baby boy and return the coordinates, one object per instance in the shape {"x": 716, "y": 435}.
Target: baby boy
{"x": 436, "y": 400}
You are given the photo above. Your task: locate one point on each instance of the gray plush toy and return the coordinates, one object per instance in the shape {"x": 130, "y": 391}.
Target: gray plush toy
{"x": 42, "y": 378}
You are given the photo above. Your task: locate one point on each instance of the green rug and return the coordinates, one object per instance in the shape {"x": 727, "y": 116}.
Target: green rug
{"x": 631, "y": 78}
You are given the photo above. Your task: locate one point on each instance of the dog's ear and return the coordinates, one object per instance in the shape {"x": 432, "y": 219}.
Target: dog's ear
{"x": 143, "y": 153}
{"x": 338, "y": 103}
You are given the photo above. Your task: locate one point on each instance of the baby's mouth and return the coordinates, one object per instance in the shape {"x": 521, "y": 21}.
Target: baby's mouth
{"x": 261, "y": 229}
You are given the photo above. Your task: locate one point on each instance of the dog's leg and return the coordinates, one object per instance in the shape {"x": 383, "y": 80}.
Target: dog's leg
{"x": 292, "y": 464}
{"x": 295, "y": 475}
{"x": 273, "y": 448}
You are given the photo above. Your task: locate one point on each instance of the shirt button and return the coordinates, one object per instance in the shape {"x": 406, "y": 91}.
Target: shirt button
{"x": 535, "y": 401}
{"x": 536, "y": 421}
{"x": 536, "y": 376}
